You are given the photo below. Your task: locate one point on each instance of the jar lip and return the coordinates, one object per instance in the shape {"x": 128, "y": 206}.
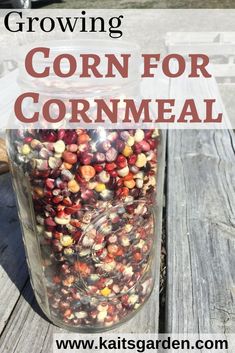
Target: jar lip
{"x": 84, "y": 86}
{"x": 69, "y": 92}
{"x": 86, "y": 46}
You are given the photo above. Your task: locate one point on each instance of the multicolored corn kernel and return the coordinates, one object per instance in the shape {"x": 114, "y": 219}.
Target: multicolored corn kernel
{"x": 92, "y": 201}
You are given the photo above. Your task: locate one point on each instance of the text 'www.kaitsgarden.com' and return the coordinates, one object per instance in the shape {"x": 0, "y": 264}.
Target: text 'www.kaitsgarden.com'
{"x": 119, "y": 344}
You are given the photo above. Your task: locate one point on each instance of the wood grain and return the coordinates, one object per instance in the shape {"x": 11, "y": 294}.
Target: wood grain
{"x": 13, "y": 270}
{"x": 201, "y": 231}
{"x": 27, "y": 328}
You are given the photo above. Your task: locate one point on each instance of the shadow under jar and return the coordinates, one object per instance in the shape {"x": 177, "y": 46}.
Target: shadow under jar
{"x": 86, "y": 201}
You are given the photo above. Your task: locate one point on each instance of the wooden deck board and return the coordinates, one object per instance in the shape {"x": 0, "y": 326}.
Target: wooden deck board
{"x": 13, "y": 269}
{"x": 27, "y": 328}
{"x": 201, "y": 231}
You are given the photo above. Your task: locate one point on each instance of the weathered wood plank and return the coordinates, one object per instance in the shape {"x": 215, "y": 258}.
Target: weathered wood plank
{"x": 27, "y": 328}
{"x": 13, "y": 270}
{"x": 199, "y": 37}
{"x": 9, "y": 90}
{"x": 201, "y": 231}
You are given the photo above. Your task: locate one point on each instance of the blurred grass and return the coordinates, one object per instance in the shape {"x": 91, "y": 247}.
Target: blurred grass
{"x": 124, "y": 4}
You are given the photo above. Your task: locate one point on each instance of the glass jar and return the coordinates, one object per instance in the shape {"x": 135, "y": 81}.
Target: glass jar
{"x": 86, "y": 201}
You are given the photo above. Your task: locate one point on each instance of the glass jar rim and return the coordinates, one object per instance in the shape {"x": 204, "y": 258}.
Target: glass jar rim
{"x": 85, "y": 86}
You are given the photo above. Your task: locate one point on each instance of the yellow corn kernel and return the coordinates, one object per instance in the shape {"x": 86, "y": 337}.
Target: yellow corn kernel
{"x": 73, "y": 186}
{"x": 141, "y": 160}
{"x": 105, "y": 291}
{"x": 67, "y": 165}
{"x": 127, "y": 151}
{"x": 100, "y": 187}
{"x": 25, "y": 149}
{"x": 66, "y": 240}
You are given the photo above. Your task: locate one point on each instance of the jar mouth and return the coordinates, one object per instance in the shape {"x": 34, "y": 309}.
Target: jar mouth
{"x": 91, "y": 86}
{"x": 87, "y": 46}
{"x": 74, "y": 90}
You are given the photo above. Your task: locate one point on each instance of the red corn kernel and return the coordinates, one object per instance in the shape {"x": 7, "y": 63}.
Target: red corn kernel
{"x": 76, "y": 296}
{"x": 128, "y": 177}
{"x": 69, "y": 210}
{"x": 50, "y": 183}
{"x": 113, "y": 173}
{"x": 48, "y": 136}
{"x": 108, "y": 258}
{"x": 110, "y": 166}
{"x": 111, "y": 309}
{"x": 77, "y": 235}
{"x": 64, "y": 305}
{"x": 99, "y": 238}
{"x": 57, "y": 235}
{"x": 57, "y": 199}
{"x": 86, "y": 158}
{"x": 145, "y": 146}
{"x": 132, "y": 159}
{"x": 79, "y": 179}
{"x": 70, "y": 137}
{"x": 121, "y": 161}
{"x": 28, "y": 139}
{"x": 138, "y": 256}
{"x": 56, "y": 279}
{"x": 93, "y": 314}
{"x": 124, "y": 298}
{"x": 61, "y": 134}
{"x": 120, "y": 252}
{"x": 148, "y": 134}
{"x": 137, "y": 148}
{"x": 61, "y": 213}
{"x": 72, "y": 209}
{"x": 119, "y": 182}
{"x": 101, "y": 283}
{"x": 67, "y": 201}
{"x": 70, "y": 157}
{"x": 72, "y": 148}
{"x": 48, "y": 193}
{"x": 49, "y": 222}
{"x": 112, "y": 249}
{"x": 82, "y": 138}
{"x": 152, "y": 144}
{"x": 75, "y": 223}
{"x": 82, "y": 268}
{"x": 108, "y": 319}
{"x": 124, "y": 192}
{"x": 98, "y": 167}
{"x": 67, "y": 313}
{"x": 120, "y": 145}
